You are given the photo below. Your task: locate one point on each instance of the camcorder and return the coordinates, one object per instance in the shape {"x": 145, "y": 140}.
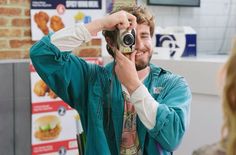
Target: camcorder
{"x": 125, "y": 40}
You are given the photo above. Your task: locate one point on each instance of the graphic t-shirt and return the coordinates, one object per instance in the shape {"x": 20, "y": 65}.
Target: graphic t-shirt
{"x": 129, "y": 143}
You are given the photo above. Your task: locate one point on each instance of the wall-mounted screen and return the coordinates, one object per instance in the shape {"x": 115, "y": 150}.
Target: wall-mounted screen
{"x": 187, "y": 3}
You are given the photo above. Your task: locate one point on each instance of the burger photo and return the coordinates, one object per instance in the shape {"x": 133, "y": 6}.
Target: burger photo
{"x": 47, "y": 127}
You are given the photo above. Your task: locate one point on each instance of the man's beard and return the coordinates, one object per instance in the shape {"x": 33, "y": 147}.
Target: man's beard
{"x": 143, "y": 64}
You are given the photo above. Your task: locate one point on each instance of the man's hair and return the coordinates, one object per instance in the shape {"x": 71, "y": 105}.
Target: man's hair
{"x": 229, "y": 102}
{"x": 143, "y": 16}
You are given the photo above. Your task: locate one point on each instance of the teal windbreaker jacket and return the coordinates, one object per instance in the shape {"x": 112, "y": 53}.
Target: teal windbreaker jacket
{"x": 95, "y": 92}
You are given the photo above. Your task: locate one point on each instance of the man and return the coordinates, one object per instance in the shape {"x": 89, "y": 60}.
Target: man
{"x": 128, "y": 107}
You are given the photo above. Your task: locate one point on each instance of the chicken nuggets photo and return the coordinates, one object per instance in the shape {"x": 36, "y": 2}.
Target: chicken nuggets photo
{"x": 51, "y": 94}
{"x": 40, "y": 88}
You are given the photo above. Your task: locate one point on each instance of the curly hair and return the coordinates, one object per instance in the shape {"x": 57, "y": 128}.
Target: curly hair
{"x": 229, "y": 102}
{"x": 143, "y": 16}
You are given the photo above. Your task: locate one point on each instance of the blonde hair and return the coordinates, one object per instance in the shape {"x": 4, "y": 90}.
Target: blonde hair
{"x": 229, "y": 102}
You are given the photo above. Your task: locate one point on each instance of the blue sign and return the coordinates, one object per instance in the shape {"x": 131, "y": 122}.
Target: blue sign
{"x": 68, "y": 4}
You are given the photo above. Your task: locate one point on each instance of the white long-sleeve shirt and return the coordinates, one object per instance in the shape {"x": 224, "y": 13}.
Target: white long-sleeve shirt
{"x": 145, "y": 105}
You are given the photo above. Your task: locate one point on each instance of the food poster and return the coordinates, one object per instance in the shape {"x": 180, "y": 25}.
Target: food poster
{"x": 50, "y": 16}
{"x": 53, "y": 121}
{"x": 55, "y": 125}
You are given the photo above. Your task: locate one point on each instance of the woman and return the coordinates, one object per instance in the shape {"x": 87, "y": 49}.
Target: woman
{"x": 227, "y": 146}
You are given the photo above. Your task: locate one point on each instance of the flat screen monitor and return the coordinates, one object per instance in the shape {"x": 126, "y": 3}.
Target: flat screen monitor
{"x": 186, "y": 3}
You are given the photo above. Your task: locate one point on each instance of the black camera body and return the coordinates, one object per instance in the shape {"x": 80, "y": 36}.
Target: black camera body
{"x": 126, "y": 40}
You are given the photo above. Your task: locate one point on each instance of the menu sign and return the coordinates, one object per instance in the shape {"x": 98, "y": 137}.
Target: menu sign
{"x": 50, "y": 16}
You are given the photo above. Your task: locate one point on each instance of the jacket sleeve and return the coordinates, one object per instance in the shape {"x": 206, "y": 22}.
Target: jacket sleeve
{"x": 173, "y": 113}
{"x": 66, "y": 74}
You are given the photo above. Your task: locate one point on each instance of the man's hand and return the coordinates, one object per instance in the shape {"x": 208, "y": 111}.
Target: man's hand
{"x": 126, "y": 71}
{"x": 120, "y": 20}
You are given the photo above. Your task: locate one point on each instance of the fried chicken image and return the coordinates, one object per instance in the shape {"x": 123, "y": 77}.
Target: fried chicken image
{"x": 41, "y": 19}
{"x": 40, "y": 88}
{"x": 51, "y": 94}
{"x": 56, "y": 23}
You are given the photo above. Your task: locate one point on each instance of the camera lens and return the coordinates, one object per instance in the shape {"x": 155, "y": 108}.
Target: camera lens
{"x": 128, "y": 39}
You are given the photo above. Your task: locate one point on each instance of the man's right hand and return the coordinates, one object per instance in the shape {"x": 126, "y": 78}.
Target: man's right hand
{"x": 120, "y": 20}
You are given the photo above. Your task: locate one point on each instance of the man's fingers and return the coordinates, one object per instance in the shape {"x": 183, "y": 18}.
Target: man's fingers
{"x": 128, "y": 21}
{"x": 132, "y": 20}
{"x": 119, "y": 57}
{"x": 124, "y": 24}
{"x": 121, "y": 26}
{"x": 132, "y": 56}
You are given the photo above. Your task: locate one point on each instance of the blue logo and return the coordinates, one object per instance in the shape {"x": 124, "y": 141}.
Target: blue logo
{"x": 168, "y": 41}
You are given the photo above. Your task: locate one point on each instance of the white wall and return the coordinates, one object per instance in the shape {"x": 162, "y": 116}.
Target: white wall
{"x": 205, "y": 124}
{"x": 214, "y": 21}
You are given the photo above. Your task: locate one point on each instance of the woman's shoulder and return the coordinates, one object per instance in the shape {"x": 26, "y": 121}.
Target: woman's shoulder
{"x": 213, "y": 149}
